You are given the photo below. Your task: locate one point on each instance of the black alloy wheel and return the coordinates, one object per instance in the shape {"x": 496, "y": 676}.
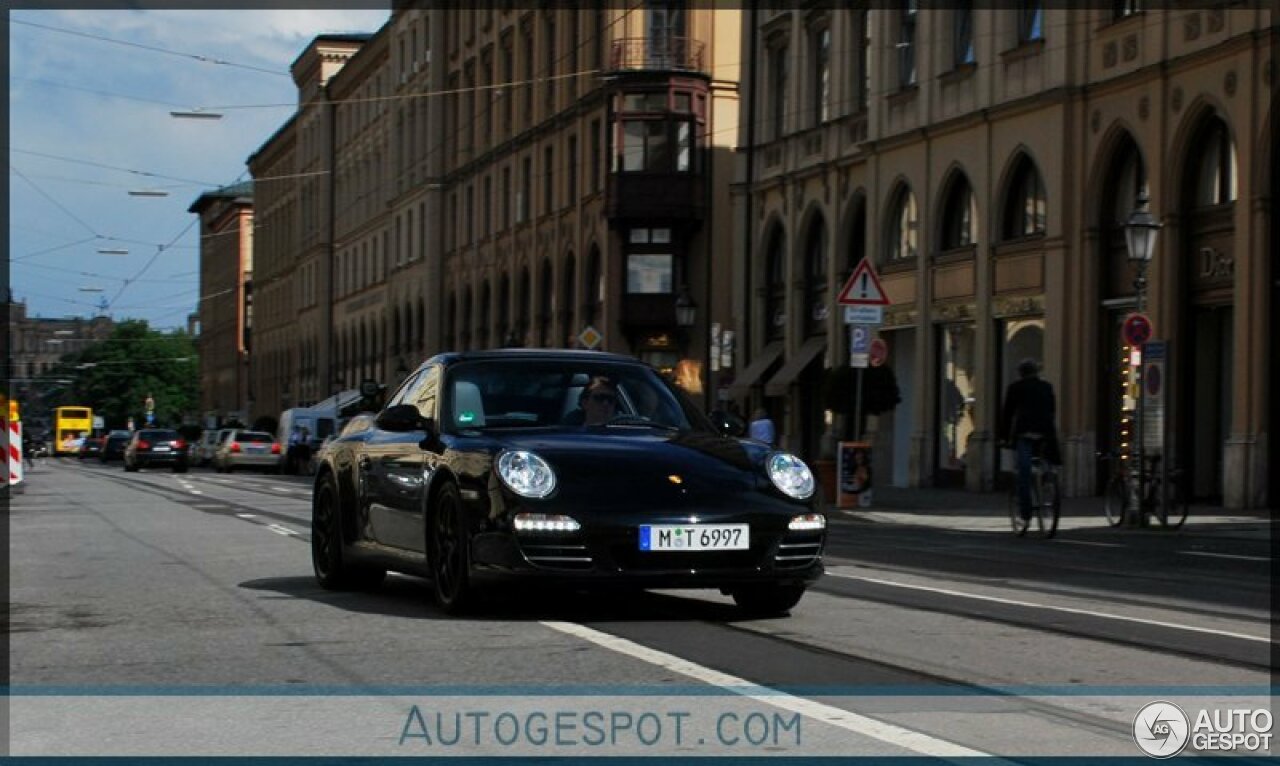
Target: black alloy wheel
{"x": 767, "y": 600}
{"x": 327, "y": 561}
{"x": 449, "y": 556}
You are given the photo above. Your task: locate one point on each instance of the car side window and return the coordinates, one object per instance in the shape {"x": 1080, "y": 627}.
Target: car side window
{"x": 404, "y": 394}
{"x": 427, "y": 391}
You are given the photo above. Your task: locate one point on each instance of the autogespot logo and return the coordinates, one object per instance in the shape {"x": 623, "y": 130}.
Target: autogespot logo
{"x": 1161, "y": 729}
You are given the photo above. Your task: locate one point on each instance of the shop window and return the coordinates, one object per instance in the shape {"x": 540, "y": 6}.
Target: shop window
{"x": 776, "y": 286}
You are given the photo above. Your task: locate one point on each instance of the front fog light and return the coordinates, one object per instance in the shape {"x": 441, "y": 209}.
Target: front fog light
{"x": 808, "y": 522}
{"x": 545, "y": 522}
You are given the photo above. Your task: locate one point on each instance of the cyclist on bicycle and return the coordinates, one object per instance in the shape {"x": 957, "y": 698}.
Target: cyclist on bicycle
{"x": 1026, "y": 417}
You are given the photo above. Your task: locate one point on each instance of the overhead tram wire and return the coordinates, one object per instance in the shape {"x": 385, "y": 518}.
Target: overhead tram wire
{"x": 156, "y": 49}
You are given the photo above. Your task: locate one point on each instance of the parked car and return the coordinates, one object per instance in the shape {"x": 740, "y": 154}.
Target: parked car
{"x": 474, "y": 472}
{"x": 247, "y": 449}
{"x": 156, "y": 446}
{"x": 113, "y": 446}
{"x": 90, "y": 446}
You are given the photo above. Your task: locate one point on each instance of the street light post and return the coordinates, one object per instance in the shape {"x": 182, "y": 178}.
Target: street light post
{"x": 1140, "y": 239}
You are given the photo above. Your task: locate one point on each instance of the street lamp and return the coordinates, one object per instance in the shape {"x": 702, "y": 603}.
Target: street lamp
{"x": 1140, "y": 239}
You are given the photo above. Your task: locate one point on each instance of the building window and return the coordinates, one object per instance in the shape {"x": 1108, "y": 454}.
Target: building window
{"x": 902, "y": 242}
{"x": 596, "y": 152}
{"x": 486, "y": 222}
{"x": 1025, "y": 206}
{"x": 643, "y": 146}
{"x": 1123, "y": 9}
{"x": 816, "y": 276}
{"x": 775, "y": 309}
{"x": 684, "y": 147}
{"x": 1030, "y": 22}
{"x": 548, "y": 180}
{"x": 959, "y": 218}
{"x": 907, "y": 45}
{"x": 962, "y": 40}
{"x": 777, "y": 91}
{"x": 1216, "y": 174}
{"x": 821, "y": 76}
{"x": 862, "y": 61}
{"x": 649, "y": 273}
{"x": 526, "y": 190}
{"x": 572, "y": 176}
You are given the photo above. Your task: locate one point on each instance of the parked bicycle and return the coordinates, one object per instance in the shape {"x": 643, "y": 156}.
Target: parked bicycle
{"x": 1154, "y": 494}
{"x": 1046, "y": 500}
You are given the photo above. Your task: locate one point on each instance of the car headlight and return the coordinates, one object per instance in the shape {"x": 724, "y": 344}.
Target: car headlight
{"x": 790, "y": 475}
{"x": 526, "y": 474}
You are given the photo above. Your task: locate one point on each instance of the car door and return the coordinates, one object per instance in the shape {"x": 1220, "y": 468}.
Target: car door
{"x": 391, "y": 474}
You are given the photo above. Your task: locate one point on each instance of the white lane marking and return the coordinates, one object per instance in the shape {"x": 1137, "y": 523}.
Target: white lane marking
{"x": 1226, "y": 555}
{"x": 279, "y": 530}
{"x": 1070, "y": 610}
{"x": 195, "y": 491}
{"x": 828, "y": 714}
{"x": 247, "y": 515}
{"x": 1089, "y": 542}
{"x": 283, "y": 489}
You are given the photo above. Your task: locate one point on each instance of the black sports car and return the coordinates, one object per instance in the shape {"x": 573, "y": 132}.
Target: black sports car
{"x": 484, "y": 467}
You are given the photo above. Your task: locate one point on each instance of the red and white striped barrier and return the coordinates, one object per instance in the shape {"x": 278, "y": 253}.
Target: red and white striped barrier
{"x": 13, "y": 452}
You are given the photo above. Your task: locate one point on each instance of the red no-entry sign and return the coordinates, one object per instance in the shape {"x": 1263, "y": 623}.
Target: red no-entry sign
{"x": 1136, "y": 329}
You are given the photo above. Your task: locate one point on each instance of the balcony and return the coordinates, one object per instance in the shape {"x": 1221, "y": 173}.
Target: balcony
{"x": 675, "y": 196}
{"x": 658, "y": 54}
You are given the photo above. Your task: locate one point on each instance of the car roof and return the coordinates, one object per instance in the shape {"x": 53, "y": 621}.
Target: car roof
{"x": 531, "y": 354}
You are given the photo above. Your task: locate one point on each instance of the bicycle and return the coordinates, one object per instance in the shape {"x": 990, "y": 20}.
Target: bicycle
{"x": 1046, "y": 499}
{"x": 1156, "y": 493}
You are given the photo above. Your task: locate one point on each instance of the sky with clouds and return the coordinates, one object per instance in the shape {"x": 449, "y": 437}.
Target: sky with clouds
{"x": 89, "y": 122}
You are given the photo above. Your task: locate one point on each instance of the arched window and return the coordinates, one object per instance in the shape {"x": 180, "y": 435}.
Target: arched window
{"x": 816, "y": 288}
{"x": 546, "y": 306}
{"x": 464, "y": 322}
{"x": 482, "y": 322}
{"x": 593, "y": 291}
{"x": 504, "y": 310}
{"x": 902, "y": 240}
{"x": 524, "y": 316}
{"x": 1024, "y": 213}
{"x": 959, "y": 215}
{"x": 1215, "y": 181}
{"x": 568, "y": 290}
{"x": 775, "y": 313}
{"x": 451, "y": 322}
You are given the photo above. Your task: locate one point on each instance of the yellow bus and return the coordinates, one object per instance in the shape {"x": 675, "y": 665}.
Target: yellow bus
{"x": 70, "y": 425}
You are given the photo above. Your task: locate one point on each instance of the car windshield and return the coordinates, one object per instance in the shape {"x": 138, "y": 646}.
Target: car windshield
{"x": 523, "y": 393}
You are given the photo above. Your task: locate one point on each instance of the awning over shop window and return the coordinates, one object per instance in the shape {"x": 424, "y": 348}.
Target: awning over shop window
{"x": 742, "y": 384}
{"x": 777, "y": 385}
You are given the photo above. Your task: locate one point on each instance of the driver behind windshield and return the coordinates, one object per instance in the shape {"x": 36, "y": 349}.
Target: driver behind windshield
{"x": 597, "y": 404}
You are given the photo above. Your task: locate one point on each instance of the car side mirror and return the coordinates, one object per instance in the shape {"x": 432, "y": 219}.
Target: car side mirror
{"x": 402, "y": 418}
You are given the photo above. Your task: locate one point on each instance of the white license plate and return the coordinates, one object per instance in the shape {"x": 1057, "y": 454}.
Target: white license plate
{"x": 695, "y": 537}
{"x": 162, "y": 449}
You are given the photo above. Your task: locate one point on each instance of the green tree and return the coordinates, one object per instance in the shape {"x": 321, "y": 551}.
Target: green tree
{"x": 116, "y": 376}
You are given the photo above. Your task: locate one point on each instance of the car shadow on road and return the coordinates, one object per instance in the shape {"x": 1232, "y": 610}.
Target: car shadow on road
{"x": 411, "y": 598}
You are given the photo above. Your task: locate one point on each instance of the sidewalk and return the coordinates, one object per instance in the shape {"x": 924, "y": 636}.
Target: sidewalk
{"x": 988, "y": 512}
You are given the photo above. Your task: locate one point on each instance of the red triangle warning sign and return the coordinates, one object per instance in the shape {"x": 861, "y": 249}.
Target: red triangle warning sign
{"x": 863, "y": 287}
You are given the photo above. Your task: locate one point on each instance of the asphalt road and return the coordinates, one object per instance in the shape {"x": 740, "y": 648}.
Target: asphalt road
{"x": 145, "y": 606}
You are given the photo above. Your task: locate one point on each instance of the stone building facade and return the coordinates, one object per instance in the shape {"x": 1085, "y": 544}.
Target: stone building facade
{"x": 985, "y": 162}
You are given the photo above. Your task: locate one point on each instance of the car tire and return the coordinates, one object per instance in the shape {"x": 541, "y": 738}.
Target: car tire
{"x": 130, "y": 467}
{"x": 449, "y": 554}
{"x": 179, "y": 469}
{"x": 767, "y": 600}
{"x": 327, "y": 560}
